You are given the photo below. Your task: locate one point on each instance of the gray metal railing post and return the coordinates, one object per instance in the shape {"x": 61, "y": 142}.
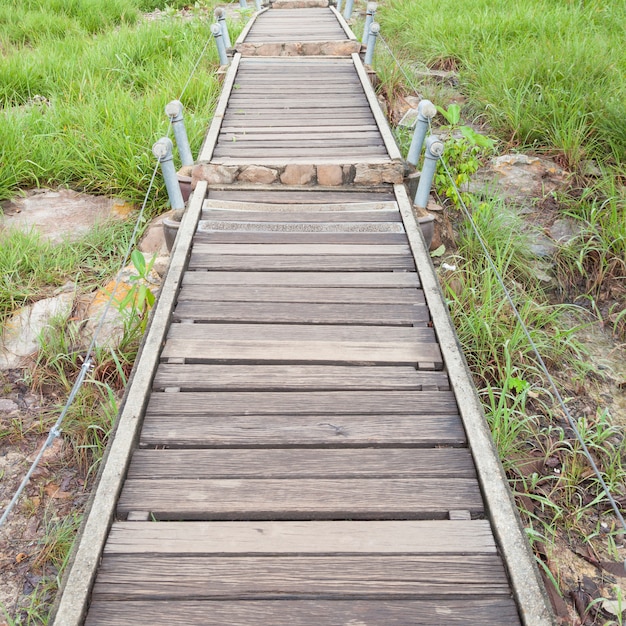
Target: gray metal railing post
{"x": 243, "y": 4}
{"x": 371, "y": 42}
{"x": 347, "y": 12}
{"x": 174, "y": 110}
{"x": 259, "y": 5}
{"x": 434, "y": 150}
{"x": 369, "y": 18}
{"x": 219, "y": 41}
{"x": 339, "y": 3}
{"x": 220, "y": 16}
{"x": 162, "y": 150}
{"x": 426, "y": 110}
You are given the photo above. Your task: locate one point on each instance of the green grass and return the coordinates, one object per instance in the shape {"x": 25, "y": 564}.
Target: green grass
{"x": 546, "y": 73}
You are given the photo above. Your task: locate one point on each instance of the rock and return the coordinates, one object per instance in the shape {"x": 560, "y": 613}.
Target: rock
{"x": 20, "y": 337}
{"x": 153, "y": 240}
{"x": 519, "y": 178}
{"x": 214, "y": 174}
{"x": 329, "y": 175}
{"x": 383, "y": 105}
{"x": 7, "y": 406}
{"x": 542, "y": 246}
{"x": 258, "y": 174}
{"x": 161, "y": 264}
{"x": 298, "y": 175}
{"x": 61, "y": 215}
{"x": 375, "y": 174}
{"x": 565, "y": 230}
{"x": 445, "y": 78}
{"x": 590, "y": 168}
{"x": 408, "y": 119}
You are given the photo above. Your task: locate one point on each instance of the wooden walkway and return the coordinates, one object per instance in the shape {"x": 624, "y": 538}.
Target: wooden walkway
{"x": 296, "y": 444}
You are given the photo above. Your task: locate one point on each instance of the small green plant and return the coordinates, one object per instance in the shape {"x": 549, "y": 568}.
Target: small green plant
{"x": 463, "y": 153}
{"x": 139, "y": 299}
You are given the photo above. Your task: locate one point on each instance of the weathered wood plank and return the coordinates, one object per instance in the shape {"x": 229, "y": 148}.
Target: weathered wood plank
{"x": 314, "y": 313}
{"x": 299, "y": 538}
{"x": 498, "y": 611}
{"x": 264, "y": 194}
{"x": 286, "y": 249}
{"x": 296, "y": 216}
{"x": 292, "y": 377}
{"x": 126, "y": 577}
{"x": 301, "y": 294}
{"x": 303, "y": 463}
{"x": 387, "y": 280}
{"x": 333, "y": 403}
{"x": 192, "y": 431}
{"x": 345, "y": 203}
{"x": 300, "y": 499}
{"x": 289, "y": 236}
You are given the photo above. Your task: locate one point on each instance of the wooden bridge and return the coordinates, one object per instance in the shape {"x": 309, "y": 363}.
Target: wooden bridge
{"x": 301, "y": 443}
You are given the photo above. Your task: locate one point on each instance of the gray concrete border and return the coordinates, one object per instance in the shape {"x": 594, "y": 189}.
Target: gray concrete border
{"x": 74, "y": 600}
{"x": 528, "y": 588}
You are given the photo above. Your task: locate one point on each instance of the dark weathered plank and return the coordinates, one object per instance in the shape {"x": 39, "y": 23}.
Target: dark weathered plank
{"x": 332, "y": 403}
{"x": 498, "y": 611}
{"x": 290, "y": 196}
{"x": 195, "y": 431}
{"x": 300, "y": 538}
{"x": 303, "y": 463}
{"x": 302, "y": 294}
{"x": 287, "y": 249}
{"x": 387, "y": 280}
{"x": 375, "y": 314}
{"x": 201, "y": 377}
{"x": 302, "y": 498}
{"x": 125, "y": 577}
{"x": 285, "y": 236}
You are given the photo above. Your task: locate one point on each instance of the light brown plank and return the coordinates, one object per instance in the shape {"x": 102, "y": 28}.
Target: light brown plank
{"x": 303, "y": 463}
{"x": 302, "y": 294}
{"x": 201, "y": 377}
{"x": 299, "y": 313}
{"x": 331, "y": 403}
{"x": 300, "y": 538}
{"x": 437, "y": 612}
{"x": 126, "y": 577}
{"x": 310, "y": 196}
{"x": 300, "y": 499}
{"x": 302, "y": 430}
{"x": 286, "y": 249}
{"x": 234, "y": 215}
{"x": 289, "y": 236}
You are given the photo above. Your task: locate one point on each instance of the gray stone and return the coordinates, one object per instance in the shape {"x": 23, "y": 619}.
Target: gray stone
{"x": 21, "y": 333}
{"x": 258, "y": 174}
{"x": 7, "y": 406}
{"x": 214, "y": 174}
{"x": 542, "y": 246}
{"x": 565, "y": 230}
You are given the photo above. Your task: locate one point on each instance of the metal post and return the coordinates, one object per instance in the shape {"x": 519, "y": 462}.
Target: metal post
{"x": 259, "y": 5}
{"x": 426, "y": 110}
{"x": 174, "y": 110}
{"x": 219, "y": 41}
{"x": 339, "y": 3}
{"x": 369, "y": 18}
{"x": 220, "y": 16}
{"x": 347, "y": 13}
{"x": 243, "y": 4}
{"x": 162, "y": 150}
{"x": 434, "y": 150}
{"x": 371, "y": 42}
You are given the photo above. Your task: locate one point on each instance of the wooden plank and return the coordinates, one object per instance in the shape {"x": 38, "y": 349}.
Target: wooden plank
{"x": 286, "y": 249}
{"x": 277, "y": 146}
{"x": 318, "y": 130}
{"x": 186, "y": 431}
{"x": 234, "y": 152}
{"x": 300, "y": 332}
{"x": 306, "y": 217}
{"x": 300, "y": 499}
{"x": 332, "y": 403}
{"x": 202, "y": 377}
{"x": 300, "y": 538}
{"x": 387, "y": 280}
{"x": 245, "y": 137}
{"x": 272, "y": 237}
{"x": 283, "y": 195}
{"x": 249, "y": 25}
{"x": 283, "y": 161}
{"x": 301, "y": 294}
{"x": 303, "y": 463}
{"x": 298, "y": 313}
{"x": 296, "y": 207}
{"x": 126, "y": 577}
{"x": 499, "y": 611}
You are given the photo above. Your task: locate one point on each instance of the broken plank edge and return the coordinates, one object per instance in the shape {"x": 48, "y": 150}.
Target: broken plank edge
{"x": 528, "y": 588}
{"x": 76, "y": 586}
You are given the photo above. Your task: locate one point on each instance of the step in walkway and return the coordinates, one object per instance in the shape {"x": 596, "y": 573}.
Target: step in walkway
{"x": 301, "y": 443}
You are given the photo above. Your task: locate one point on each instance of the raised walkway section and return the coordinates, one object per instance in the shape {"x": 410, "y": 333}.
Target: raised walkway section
{"x": 301, "y": 443}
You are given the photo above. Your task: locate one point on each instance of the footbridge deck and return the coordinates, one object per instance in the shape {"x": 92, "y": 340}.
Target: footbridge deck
{"x": 301, "y": 443}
